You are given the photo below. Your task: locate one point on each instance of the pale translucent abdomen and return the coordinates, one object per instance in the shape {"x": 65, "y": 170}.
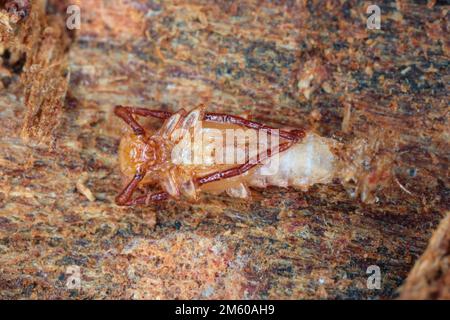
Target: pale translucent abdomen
{"x": 306, "y": 163}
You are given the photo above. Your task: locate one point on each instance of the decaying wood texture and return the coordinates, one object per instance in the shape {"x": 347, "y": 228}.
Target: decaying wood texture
{"x": 430, "y": 277}
{"x": 35, "y": 44}
{"x": 306, "y": 64}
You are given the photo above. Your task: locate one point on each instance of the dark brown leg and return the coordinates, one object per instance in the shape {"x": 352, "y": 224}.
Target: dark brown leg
{"x": 144, "y": 112}
{"x": 126, "y": 113}
{"x": 127, "y": 116}
{"x": 236, "y": 171}
{"x": 124, "y": 197}
{"x": 146, "y": 199}
{"x": 294, "y": 135}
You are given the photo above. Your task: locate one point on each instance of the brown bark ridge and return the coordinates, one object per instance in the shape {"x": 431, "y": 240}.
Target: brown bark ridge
{"x": 430, "y": 276}
{"x": 40, "y": 41}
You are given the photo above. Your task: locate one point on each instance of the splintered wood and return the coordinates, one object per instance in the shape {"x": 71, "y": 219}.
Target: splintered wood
{"x": 41, "y": 40}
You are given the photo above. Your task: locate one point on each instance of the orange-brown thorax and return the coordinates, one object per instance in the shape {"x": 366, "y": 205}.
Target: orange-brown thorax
{"x": 139, "y": 154}
{"x": 151, "y": 154}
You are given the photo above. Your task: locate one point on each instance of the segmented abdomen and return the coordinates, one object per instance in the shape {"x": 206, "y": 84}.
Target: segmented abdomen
{"x": 308, "y": 162}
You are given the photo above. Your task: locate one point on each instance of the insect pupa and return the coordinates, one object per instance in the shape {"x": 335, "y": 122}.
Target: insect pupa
{"x": 191, "y": 151}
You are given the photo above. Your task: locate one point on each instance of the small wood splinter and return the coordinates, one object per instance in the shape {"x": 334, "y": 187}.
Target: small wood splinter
{"x": 197, "y": 152}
